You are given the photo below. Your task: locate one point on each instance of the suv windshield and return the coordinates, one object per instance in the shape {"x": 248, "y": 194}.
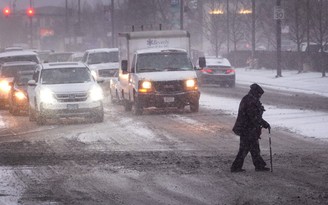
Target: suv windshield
{"x": 11, "y": 71}
{"x": 23, "y": 79}
{"x": 151, "y": 62}
{"x": 104, "y": 57}
{"x": 65, "y": 76}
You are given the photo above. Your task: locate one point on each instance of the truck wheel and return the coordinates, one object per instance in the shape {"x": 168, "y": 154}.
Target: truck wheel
{"x": 137, "y": 107}
{"x": 194, "y": 106}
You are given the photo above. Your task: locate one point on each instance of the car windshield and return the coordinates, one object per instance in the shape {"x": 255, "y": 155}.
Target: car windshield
{"x": 32, "y": 58}
{"x": 59, "y": 57}
{"x": 152, "y": 62}
{"x": 103, "y": 57}
{"x": 11, "y": 71}
{"x": 65, "y": 76}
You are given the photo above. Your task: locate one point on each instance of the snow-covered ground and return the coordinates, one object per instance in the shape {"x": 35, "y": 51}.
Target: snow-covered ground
{"x": 305, "y": 122}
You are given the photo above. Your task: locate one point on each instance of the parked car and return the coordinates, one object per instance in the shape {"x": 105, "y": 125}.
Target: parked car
{"x": 64, "y": 90}
{"x": 17, "y": 98}
{"x": 217, "y": 71}
{"x": 7, "y": 73}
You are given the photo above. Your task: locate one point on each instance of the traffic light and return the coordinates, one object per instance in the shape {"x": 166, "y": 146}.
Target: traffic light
{"x": 30, "y": 12}
{"x": 6, "y": 11}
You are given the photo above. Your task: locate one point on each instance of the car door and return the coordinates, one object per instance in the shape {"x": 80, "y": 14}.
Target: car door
{"x": 31, "y": 89}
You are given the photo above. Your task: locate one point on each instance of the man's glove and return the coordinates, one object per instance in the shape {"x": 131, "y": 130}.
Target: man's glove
{"x": 266, "y": 125}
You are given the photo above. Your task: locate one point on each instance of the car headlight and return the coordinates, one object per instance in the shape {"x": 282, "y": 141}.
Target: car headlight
{"x": 96, "y": 93}
{"x": 145, "y": 86}
{"x": 19, "y": 95}
{"x": 4, "y": 86}
{"x": 191, "y": 84}
{"x": 47, "y": 96}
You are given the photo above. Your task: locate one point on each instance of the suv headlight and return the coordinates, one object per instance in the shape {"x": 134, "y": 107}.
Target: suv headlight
{"x": 19, "y": 95}
{"x": 47, "y": 96}
{"x": 96, "y": 93}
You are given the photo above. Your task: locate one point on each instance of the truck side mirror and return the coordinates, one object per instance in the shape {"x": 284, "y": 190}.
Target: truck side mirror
{"x": 124, "y": 66}
{"x": 202, "y": 62}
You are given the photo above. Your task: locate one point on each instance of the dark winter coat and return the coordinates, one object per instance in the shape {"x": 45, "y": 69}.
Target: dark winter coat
{"x": 249, "y": 120}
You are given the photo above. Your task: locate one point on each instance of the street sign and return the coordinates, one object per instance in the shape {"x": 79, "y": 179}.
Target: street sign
{"x": 278, "y": 13}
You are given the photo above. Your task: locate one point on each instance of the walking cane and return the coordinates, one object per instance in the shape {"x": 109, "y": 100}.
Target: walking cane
{"x": 270, "y": 150}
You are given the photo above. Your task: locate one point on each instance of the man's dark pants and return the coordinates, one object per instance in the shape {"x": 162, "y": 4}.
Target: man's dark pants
{"x": 251, "y": 145}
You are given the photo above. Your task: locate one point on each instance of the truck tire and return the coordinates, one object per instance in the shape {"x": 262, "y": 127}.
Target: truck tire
{"x": 137, "y": 107}
{"x": 194, "y": 106}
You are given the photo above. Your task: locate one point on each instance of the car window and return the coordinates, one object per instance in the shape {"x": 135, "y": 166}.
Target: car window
{"x": 32, "y": 58}
{"x": 102, "y": 57}
{"x": 65, "y": 76}
{"x": 11, "y": 71}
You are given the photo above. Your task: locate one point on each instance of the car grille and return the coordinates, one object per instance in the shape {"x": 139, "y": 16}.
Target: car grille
{"x": 72, "y": 97}
{"x": 169, "y": 86}
{"x": 107, "y": 72}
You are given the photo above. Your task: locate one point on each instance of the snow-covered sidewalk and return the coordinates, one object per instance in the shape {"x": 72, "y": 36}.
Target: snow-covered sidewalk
{"x": 305, "y": 122}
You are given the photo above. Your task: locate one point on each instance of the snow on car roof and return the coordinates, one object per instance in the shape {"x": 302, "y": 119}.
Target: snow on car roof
{"x": 158, "y": 50}
{"x": 63, "y": 65}
{"x": 17, "y": 53}
{"x": 96, "y": 50}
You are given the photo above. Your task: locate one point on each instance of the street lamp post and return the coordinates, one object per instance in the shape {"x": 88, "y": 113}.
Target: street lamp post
{"x": 253, "y": 32}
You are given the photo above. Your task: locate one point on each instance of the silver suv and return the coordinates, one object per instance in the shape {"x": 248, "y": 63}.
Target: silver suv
{"x": 64, "y": 90}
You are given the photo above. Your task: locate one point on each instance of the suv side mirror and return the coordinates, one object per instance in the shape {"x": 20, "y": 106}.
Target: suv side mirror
{"x": 202, "y": 62}
{"x": 124, "y": 66}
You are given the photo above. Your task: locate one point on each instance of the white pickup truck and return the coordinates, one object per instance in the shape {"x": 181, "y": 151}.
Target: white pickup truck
{"x": 156, "y": 71}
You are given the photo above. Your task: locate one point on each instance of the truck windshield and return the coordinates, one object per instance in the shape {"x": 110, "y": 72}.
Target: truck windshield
{"x": 154, "y": 62}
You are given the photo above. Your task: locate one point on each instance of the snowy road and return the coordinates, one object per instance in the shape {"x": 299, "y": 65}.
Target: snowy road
{"x": 159, "y": 158}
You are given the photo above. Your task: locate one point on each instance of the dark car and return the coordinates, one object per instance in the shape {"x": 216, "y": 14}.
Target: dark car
{"x": 218, "y": 71}
{"x": 58, "y": 57}
{"x": 8, "y": 71}
{"x": 17, "y": 98}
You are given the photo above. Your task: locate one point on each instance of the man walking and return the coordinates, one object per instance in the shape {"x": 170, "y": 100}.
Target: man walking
{"x": 248, "y": 126}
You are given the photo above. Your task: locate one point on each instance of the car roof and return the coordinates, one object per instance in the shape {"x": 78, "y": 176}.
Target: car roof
{"x": 63, "y": 65}
{"x": 17, "y": 53}
{"x": 17, "y": 63}
{"x": 101, "y": 50}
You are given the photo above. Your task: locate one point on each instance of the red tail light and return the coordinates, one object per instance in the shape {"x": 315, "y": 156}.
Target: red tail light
{"x": 228, "y": 71}
{"x": 207, "y": 70}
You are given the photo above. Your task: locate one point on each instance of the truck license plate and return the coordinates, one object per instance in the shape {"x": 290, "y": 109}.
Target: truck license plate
{"x": 168, "y": 99}
{"x": 72, "y": 106}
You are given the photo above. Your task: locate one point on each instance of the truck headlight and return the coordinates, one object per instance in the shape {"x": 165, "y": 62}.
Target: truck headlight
{"x": 96, "y": 93}
{"x": 191, "y": 84}
{"x": 145, "y": 86}
{"x": 47, "y": 96}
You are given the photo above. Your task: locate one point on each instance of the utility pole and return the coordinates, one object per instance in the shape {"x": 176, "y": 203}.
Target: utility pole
{"x": 181, "y": 14}
{"x": 278, "y": 35}
{"x": 66, "y": 24}
{"x": 112, "y": 21}
{"x": 253, "y": 33}
{"x": 31, "y": 27}
{"x": 228, "y": 29}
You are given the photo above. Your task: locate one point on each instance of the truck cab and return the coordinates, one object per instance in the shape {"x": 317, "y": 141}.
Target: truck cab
{"x": 159, "y": 76}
